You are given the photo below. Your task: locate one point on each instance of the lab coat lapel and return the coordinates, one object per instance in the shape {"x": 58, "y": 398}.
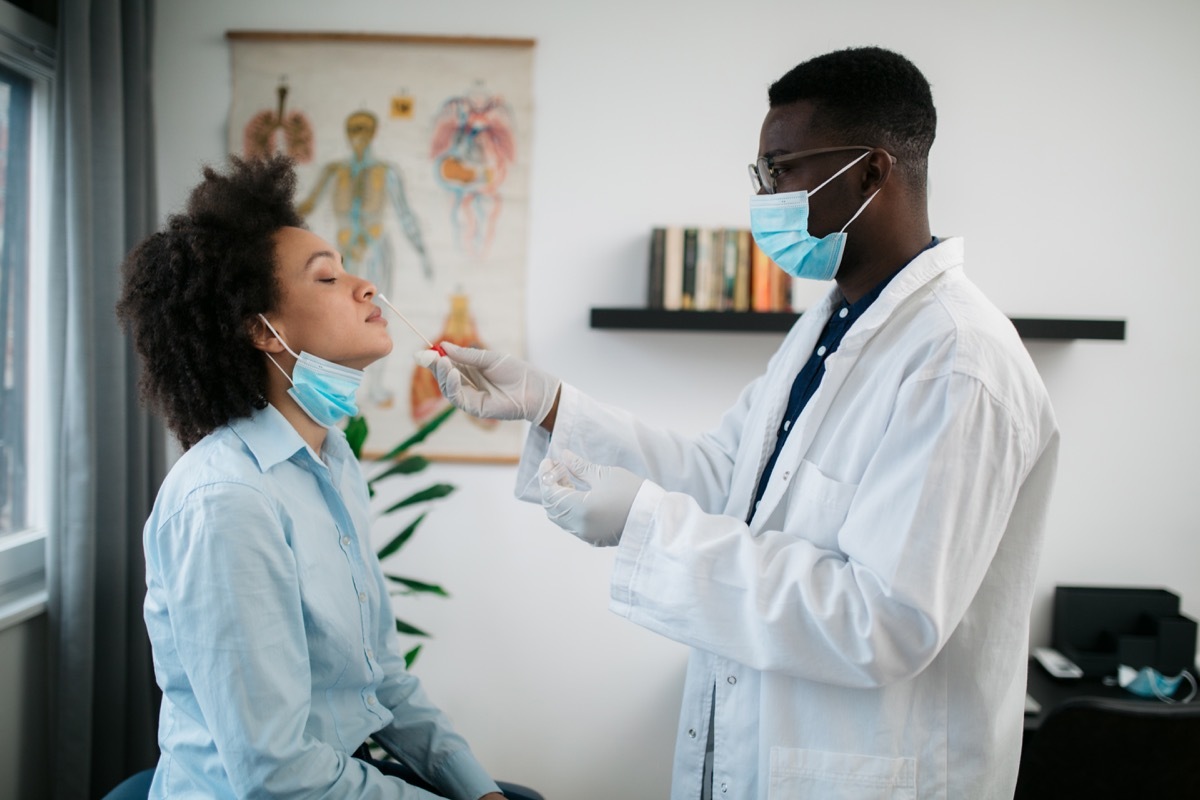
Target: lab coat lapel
{"x": 920, "y": 272}
{"x": 772, "y": 402}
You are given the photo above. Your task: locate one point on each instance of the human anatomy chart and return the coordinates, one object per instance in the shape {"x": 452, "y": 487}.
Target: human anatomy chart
{"x": 412, "y": 156}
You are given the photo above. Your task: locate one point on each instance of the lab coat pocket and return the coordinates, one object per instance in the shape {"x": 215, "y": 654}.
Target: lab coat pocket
{"x": 846, "y": 776}
{"x": 817, "y": 506}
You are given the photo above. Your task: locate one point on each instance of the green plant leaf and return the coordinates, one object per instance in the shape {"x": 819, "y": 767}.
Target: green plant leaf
{"x": 417, "y": 586}
{"x": 356, "y": 434}
{"x": 405, "y": 466}
{"x": 422, "y": 432}
{"x": 399, "y": 539}
{"x": 411, "y": 656}
{"x": 411, "y": 630}
{"x": 432, "y": 493}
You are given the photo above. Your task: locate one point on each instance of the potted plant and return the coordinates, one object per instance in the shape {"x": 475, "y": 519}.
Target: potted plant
{"x": 412, "y": 509}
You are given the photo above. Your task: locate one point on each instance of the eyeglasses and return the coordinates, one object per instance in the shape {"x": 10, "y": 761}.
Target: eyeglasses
{"x": 763, "y": 171}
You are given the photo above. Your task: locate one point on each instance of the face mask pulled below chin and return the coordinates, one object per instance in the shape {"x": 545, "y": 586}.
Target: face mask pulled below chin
{"x": 1149, "y": 682}
{"x": 779, "y": 224}
{"x": 325, "y": 391}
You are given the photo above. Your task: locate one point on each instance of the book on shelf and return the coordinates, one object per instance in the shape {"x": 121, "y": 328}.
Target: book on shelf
{"x": 654, "y": 288}
{"x": 689, "y": 269}
{"x": 672, "y": 288}
{"x": 713, "y": 269}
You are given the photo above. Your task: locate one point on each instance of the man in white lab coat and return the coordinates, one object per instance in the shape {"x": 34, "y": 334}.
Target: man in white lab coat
{"x": 851, "y": 552}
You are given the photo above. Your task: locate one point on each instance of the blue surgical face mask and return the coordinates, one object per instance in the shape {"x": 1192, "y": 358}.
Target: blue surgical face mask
{"x": 1149, "y": 682}
{"x": 325, "y": 391}
{"x": 779, "y": 223}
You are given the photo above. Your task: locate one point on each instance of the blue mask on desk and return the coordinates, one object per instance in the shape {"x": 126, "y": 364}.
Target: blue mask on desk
{"x": 1149, "y": 682}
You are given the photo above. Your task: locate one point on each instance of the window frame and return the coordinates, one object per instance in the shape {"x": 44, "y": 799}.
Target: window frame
{"x": 28, "y": 47}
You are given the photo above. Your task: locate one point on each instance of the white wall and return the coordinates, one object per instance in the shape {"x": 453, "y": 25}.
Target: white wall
{"x": 1063, "y": 155}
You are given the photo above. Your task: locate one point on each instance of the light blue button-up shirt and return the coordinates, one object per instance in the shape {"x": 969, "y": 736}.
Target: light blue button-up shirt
{"x": 274, "y": 641}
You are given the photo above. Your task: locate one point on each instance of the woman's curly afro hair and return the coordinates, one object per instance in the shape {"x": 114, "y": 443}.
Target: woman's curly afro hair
{"x": 192, "y": 291}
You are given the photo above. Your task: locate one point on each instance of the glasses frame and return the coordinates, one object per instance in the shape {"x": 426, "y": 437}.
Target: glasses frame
{"x": 762, "y": 171}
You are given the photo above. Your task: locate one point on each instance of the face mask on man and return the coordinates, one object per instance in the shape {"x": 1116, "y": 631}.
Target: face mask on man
{"x": 325, "y": 391}
{"x": 779, "y": 223}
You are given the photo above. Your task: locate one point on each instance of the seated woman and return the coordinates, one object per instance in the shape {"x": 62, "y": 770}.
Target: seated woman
{"x": 274, "y": 642}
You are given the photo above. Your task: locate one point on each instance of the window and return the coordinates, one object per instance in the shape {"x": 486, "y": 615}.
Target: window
{"x": 26, "y": 71}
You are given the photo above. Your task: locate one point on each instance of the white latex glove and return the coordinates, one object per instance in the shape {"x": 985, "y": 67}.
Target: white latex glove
{"x": 588, "y": 500}
{"x": 491, "y": 385}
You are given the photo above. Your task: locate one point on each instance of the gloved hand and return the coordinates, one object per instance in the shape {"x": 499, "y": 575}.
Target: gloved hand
{"x": 491, "y": 385}
{"x": 588, "y": 500}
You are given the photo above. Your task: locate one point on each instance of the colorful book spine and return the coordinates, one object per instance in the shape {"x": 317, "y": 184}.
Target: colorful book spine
{"x": 714, "y": 269}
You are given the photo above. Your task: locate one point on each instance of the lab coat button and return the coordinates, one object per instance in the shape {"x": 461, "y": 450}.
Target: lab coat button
{"x": 732, "y": 680}
{"x": 692, "y": 732}
{"x": 787, "y": 474}
{"x": 725, "y": 788}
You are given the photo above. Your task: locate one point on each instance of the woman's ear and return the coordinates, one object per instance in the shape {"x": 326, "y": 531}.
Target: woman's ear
{"x": 261, "y": 336}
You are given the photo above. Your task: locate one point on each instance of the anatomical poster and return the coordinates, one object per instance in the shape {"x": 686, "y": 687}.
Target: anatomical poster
{"x": 412, "y": 156}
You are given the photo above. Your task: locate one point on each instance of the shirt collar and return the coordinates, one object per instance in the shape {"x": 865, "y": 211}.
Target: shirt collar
{"x": 272, "y": 440}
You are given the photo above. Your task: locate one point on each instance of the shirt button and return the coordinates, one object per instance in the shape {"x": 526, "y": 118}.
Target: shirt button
{"x": 370, "y": 654}
{"x": 362, "y": 597}
{"x": 692, "y": 733}
{"x": 346, "y": 541}
{"x": 787, "y": 424}
{"x": 370, "y": 699}
{"x": 843, "y": 313}
{"x": 732, "y": 680}
{"x": 821, "y": 350}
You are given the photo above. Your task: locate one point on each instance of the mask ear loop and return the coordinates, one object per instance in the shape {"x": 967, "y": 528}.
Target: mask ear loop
{"x": 839, "y": 172}
{"x": 1159, "y": 694}
{"x": 285, "y": 347}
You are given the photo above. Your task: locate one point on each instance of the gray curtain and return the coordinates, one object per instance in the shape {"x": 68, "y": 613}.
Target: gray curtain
{"x": 108, "y": 454}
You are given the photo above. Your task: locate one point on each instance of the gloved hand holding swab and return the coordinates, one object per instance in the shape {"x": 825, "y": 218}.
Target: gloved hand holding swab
{"x": 404, "y": 319}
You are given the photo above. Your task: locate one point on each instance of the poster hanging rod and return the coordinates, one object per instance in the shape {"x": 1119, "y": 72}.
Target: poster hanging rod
{"x": 391, "y": 38}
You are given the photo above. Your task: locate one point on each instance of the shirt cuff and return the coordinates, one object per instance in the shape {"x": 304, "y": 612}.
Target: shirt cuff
{"x": 539, "y": 443}
{"x": 633, "y": 541}
{"x": 464, "y": 777}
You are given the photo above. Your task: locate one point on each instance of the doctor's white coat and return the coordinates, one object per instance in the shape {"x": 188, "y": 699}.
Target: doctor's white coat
{"x": 866, "y": 636}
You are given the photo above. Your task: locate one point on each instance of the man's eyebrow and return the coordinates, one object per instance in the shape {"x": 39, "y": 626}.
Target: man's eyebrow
{"x": 320, "y": 254}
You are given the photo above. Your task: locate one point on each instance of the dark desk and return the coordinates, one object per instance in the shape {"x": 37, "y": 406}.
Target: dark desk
{"x": 1051, "y": 691}
{"x": 1130, "y": 747}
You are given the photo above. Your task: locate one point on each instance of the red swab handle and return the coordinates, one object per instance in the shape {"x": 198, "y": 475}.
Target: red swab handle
{"x": 437, "y": 348}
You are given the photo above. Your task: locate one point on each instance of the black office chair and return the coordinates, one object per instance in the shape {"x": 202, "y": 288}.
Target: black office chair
{"x": 1102, "y": 748}
{"x": 137, "y": 787}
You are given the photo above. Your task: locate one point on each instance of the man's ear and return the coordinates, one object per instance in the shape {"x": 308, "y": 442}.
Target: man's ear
{"x": 879, "y": 169}
{"x": 261, "y": 336}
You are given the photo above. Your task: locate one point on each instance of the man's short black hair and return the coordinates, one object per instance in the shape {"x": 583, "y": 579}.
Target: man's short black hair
{"x": 192, "y": 291}
{"x": 868, "y": 96}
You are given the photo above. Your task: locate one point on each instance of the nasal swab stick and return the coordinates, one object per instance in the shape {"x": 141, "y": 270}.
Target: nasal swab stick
{"x": 404, "y": 319}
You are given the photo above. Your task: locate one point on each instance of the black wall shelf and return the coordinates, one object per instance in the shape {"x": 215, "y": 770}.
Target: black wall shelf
{"x": 652, "y": 319}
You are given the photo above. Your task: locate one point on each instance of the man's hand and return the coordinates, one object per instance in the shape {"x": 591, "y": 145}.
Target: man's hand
{"x": 491, "y": 385}
{"x": 588, "y": 500}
